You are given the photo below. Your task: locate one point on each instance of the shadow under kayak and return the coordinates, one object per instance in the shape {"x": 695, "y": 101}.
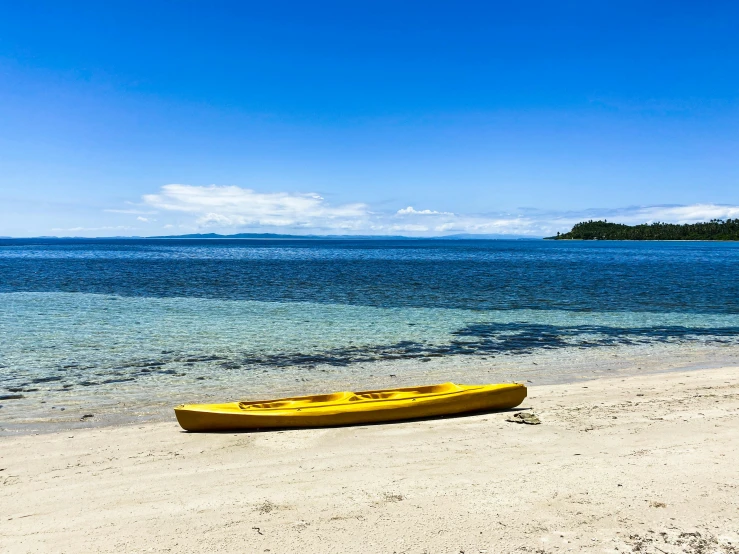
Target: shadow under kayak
{"x": 349, "y": 408}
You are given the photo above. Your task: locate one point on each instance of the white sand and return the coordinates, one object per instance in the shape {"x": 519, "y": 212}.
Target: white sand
{"x": 607, "y": 471}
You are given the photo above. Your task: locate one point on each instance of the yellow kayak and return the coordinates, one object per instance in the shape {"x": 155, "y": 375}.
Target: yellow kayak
{"x": 349, "y": 408}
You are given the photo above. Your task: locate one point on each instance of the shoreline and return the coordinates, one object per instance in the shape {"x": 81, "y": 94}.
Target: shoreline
{"x": 62, "y": 411}
{"x": 616, "y": 462}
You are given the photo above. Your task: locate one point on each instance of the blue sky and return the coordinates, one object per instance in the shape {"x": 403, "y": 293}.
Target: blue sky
{"x": 416, "y": 118}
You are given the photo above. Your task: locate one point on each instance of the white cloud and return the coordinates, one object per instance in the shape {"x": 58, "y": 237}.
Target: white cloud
{"x": 490, "y": 225}
{"x": 409, "y": 228}
{"x": 145, "y": 219}
{"x": 133, "y": 212}
{"x": 677, "y": 214}
{"x": 411, "y": 211}
{"x": 231, "y": 206}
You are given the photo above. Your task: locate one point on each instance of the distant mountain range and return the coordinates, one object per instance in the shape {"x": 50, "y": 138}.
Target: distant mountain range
{"x": 341, "y": 237}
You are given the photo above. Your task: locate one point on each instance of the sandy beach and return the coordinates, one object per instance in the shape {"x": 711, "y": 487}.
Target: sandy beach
{"x": 643, "y": 464}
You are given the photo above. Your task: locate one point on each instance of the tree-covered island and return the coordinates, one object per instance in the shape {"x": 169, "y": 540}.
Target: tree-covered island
{"x": 716, "y": 229}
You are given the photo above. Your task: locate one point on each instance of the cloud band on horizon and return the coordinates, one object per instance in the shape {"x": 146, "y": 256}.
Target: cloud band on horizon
{"x": 233, "y": 209}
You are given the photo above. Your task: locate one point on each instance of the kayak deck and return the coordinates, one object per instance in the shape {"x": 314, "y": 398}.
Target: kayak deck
{"x": 349, "y": 408}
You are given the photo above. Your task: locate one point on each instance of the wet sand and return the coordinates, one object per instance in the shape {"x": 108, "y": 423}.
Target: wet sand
{"x": 639, "y": 463}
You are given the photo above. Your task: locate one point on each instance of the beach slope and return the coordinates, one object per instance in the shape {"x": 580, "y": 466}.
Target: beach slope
{"x": 643, "y": 464}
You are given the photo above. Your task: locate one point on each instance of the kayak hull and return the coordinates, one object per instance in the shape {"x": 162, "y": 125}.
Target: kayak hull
{"x": 350, "y": 408}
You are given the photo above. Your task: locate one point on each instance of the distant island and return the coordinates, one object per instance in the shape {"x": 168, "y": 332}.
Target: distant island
{"x": 716, "y": 229}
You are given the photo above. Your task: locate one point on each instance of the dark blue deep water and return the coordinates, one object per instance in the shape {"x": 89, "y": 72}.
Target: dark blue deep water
{"x": 686, "y": 277}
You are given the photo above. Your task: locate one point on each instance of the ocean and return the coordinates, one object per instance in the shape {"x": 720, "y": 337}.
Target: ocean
{"x": 124, "y": 329}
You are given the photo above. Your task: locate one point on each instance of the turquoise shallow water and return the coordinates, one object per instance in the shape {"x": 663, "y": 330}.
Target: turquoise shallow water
{"x": 124, "y": 327}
